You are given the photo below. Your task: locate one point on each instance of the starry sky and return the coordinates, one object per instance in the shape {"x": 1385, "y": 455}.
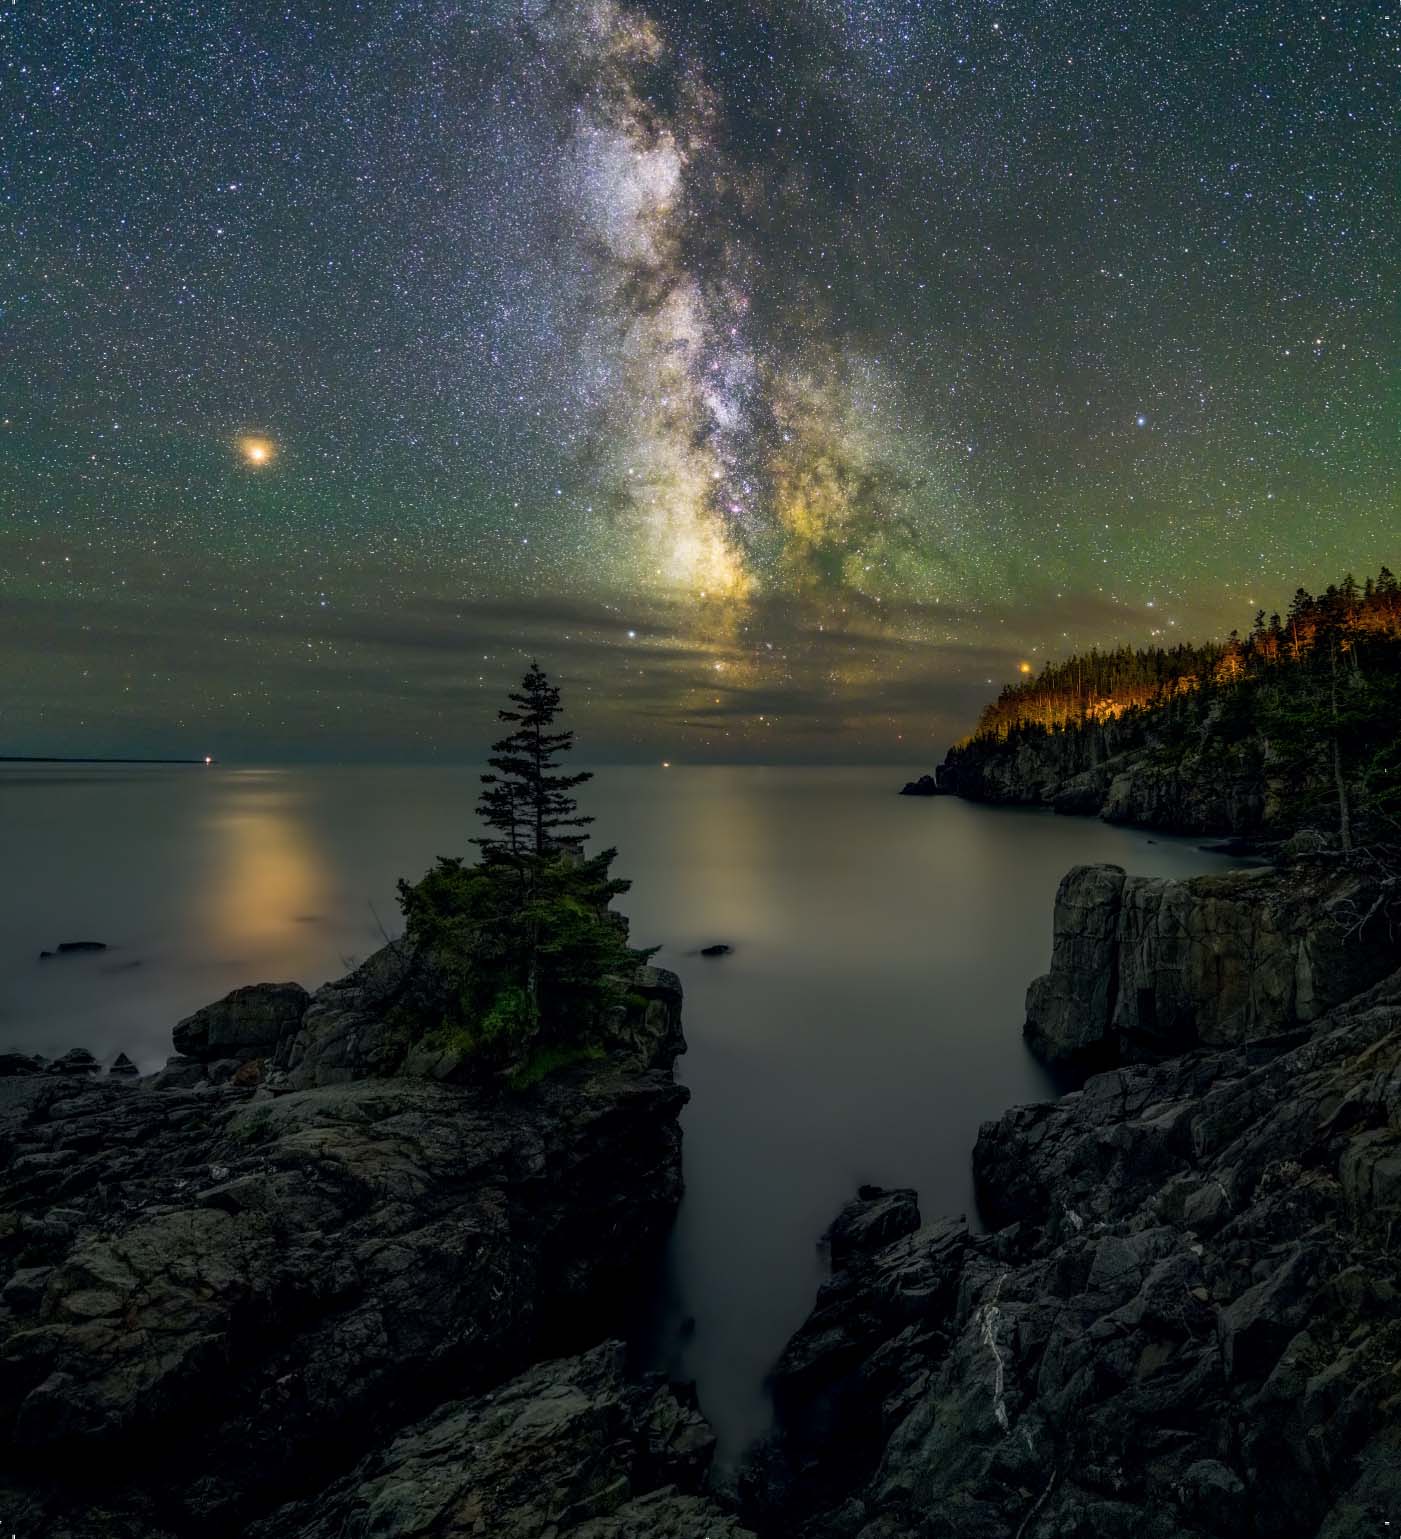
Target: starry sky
{"x": 781, "y": 374}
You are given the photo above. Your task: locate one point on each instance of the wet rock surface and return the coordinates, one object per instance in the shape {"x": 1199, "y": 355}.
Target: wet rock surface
{"x": 215, "y": 1297}
{"x": 1186, "y": 1320}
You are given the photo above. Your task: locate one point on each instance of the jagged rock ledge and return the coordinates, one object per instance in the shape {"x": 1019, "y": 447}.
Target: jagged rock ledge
{"x": 227, "y": 1283}
{"x": 1185, "y": 1320}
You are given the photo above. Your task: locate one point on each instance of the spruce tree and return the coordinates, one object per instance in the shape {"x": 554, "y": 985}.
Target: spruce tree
{"x": 526, "y": 800}
{"x": 536, "y": 966}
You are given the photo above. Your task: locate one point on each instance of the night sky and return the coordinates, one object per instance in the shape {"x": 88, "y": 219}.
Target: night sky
{"x": 782, "y": 375}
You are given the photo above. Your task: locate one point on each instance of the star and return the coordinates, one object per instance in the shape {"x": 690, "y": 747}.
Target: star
{"x": 743, "y": 322}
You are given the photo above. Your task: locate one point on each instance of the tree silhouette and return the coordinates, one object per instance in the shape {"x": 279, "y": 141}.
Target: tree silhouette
{"x": 526, "y": 801}
{"x": 534, "y": 964}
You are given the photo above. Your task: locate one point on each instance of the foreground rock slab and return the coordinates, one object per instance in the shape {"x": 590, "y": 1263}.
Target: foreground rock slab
{"x": 571, "y": 1448}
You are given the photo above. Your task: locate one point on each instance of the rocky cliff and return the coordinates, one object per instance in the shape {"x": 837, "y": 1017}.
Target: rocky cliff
{"x": 228, "y": 1283}
{"x": 1141, "y": 967}
{"x": 1129, "y": 771}
{"x": 1185, "y": 1317}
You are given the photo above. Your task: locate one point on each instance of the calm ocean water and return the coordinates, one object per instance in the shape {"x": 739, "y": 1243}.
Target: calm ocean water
{"x": 867, "y": 1021}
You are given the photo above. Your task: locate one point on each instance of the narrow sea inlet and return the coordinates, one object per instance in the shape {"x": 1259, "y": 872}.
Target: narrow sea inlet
{"x": 865, "y": 1022}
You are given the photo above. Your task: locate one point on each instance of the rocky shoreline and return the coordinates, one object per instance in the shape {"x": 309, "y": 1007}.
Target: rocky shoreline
{"x": 229, "y": 1282}
{"x": 1184, "y": 1318}
{"x": 1121, "y": 771}
{"x": 309, "y": 1281}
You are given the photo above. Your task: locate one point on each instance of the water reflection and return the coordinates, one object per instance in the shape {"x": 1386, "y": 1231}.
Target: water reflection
{"x": 265, "y": 872}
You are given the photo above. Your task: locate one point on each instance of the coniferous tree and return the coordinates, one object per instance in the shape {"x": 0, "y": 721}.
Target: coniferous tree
{"x": 534, "y": 962}
{"x": 526, "y": 801}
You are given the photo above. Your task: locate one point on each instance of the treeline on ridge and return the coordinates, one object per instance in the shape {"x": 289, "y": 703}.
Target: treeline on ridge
{"x": 1104, "y": 685}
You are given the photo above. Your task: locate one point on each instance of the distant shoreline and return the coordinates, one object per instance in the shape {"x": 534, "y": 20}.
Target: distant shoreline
{"x": 20, "y": 758}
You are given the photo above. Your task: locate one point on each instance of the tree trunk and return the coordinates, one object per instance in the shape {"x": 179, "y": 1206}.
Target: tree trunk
{"x": 1344, "y": 813}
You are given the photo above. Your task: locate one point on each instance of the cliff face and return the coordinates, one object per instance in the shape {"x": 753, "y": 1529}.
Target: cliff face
{"x": 1186, "y": 1321}
{"x": 1126, "y": 772}
{"x": 1144, "y": 967}
{"x": 218, "y": 1297}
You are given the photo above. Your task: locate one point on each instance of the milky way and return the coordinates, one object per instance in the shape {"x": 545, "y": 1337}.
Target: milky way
{"x": 782, "y": 375}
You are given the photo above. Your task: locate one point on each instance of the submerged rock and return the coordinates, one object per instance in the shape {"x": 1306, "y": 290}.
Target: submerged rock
{"x": 719, "y": 949}
{"x": 73, "y": 948}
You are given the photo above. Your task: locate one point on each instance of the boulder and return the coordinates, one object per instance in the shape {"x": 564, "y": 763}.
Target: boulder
{"x": 367, "y": 1024}
{"x": 21, "y": 1063}
{"x": 870, "y": 1222}
{"x": 179, "y": 1073}
{"x": 25, "y": 1289}
{"x": 77, "y": 1060}
{"x": 248, "y": 1023}
{"x": 122, "y": 1065}
{"x": 248, "y": 1074}
{"x": 719, "y": 949}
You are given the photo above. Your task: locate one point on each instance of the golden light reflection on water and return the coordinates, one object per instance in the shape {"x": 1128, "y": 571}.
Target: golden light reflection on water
{"x": 268, "y": 874}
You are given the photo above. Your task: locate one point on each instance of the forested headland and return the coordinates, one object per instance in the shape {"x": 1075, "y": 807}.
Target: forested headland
{"x": 1291, "y": 725}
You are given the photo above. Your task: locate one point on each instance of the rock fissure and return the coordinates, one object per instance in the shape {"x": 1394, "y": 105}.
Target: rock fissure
{"x": 989, "y": 1317}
